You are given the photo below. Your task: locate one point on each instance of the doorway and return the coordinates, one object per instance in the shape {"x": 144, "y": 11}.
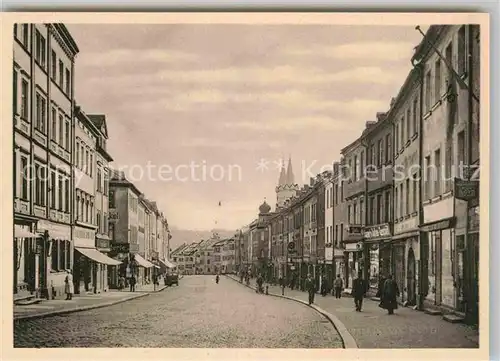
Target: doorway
{"x": 410, "y": 278}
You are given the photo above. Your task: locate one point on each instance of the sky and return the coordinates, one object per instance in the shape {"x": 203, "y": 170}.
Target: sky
{"x": 200, "y": 116}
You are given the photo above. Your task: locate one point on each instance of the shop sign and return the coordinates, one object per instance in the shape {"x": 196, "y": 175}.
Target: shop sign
{"x": 378, "y": 231}
{"x": 466, "y": 190}
{"x": 120, "y": 247}
{"x": 134, "y": 248}
{"x": 444, "y": 224}
{"x": 354, "y": 229}
{"x": 103, "y": 243}
{"x": 84, "y": 237}
{"x": 406, "y": 225}
{"x": 351, "y": 247}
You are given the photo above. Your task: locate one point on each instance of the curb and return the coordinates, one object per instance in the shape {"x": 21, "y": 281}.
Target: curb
{"x": 76, "y": 309}
{"x": 347, "y": 339}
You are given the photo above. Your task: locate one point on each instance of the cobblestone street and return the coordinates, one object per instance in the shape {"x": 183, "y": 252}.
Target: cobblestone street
{"x": 407, "y": 328}
{"x": 198, "y": 313}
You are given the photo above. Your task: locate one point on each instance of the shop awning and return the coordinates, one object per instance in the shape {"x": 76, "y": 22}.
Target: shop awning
{"x": 167, "y": 263}
{"x": 23, "y": 233}
{"x": 142, "y": 262}
{"x": 97, "y": 256}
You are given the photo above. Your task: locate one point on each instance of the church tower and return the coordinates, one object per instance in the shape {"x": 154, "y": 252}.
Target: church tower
{"x": 286, "y": 188}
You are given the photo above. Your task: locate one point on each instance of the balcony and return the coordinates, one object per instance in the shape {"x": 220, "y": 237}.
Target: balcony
{"x": 21, "y": 206}
{"x": 39, "y": 211}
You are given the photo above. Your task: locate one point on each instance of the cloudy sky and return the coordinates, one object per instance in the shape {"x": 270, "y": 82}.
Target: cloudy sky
{"x": 226, "y": 96}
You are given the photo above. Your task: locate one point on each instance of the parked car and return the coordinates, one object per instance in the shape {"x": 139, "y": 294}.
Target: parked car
{"x": 171, "y": 279}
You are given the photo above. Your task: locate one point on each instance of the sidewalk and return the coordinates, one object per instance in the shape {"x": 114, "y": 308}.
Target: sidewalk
{"x": 373, "y": 328}
{"x": 81, "y": 303}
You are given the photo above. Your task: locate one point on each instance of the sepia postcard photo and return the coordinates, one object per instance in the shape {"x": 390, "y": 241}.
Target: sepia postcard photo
{"x": 314, "y": 183}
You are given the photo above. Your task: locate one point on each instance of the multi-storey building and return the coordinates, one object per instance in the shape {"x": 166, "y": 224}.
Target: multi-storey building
{"x": 379, "y": 202}
{"x": 353, "y": 170}
{"x": 449, "y": 140}
{"x": 339, "y": 221}
{"x": 43, "y": 92}
{"x": 103, "y": 240}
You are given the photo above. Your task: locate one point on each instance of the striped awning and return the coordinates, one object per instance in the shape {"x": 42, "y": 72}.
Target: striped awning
{"x": 142, "y": 262}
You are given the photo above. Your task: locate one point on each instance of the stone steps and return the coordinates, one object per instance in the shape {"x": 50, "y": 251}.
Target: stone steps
{"x": 29, "y": 301}
{"x": 453, "y": 318}
{"x": 433, "y": 312}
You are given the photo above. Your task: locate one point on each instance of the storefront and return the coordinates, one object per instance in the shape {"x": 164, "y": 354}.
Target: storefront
{"x": 352, "y": 258}
{"x": 25, "y": 259}
{"x": 144, "y": 265}
{"x": 88, "y": 262}
{"x": 439, "y": 253}
{"x": 55, "y": 250}
{"x": 376, "y": 255}
{"x": 103, "y": 245}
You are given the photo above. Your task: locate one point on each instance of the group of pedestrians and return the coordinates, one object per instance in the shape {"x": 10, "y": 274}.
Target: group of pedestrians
{"x": 388, "y": 291}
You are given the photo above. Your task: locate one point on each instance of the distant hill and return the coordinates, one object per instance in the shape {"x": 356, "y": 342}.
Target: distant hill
{"x": 180, "y": 236}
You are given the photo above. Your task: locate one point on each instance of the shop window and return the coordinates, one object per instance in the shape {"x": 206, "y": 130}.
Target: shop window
{"x": 54, "y": 255}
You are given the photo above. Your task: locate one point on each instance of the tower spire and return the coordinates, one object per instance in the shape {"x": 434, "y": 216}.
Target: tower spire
{"x": 290, "y": 179}
{"x": 282, "y": 179}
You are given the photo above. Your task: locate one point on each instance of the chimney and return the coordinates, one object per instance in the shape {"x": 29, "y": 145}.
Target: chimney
{"x": 369, "y": 123}
{"x": 311, "y": 181}
{"x": 381, "y": 116}
{"x": 336, "y": 167}
{"x": 393, "y": 100}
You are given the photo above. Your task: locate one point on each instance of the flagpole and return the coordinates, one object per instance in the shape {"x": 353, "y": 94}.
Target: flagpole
{"x": 448, "y": 65}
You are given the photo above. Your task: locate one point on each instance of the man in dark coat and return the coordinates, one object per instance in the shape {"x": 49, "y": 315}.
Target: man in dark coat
{"x": 390, "y": 292}
{"x": 310, "y": 287}
{"x": 359, "y": 288}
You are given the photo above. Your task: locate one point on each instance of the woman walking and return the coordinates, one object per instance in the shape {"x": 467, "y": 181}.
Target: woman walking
{"x": 69, "y": 287}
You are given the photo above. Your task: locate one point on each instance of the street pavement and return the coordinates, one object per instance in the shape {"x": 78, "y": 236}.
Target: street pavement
{"x": 197, "y": 313}
{"x": 407, "y": 328}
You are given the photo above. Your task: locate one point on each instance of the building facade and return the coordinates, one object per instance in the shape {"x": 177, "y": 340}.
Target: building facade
{"x": 43, "y": 92}
{"x": 450, "y": 143}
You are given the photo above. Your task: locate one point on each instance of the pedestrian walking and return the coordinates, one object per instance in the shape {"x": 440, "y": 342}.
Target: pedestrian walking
{"x": 217, "y": 279}
{"x": 390, "y": 292}
{"x": 69, "y": 287}
{"x": 310, "y": 287}
{"x": 324, "y": 285}
{"x": 132, "y": 283}
{"x": 359, "y": 288}
{"x": 338, "y": 285}
{"x": 260, "y": 282}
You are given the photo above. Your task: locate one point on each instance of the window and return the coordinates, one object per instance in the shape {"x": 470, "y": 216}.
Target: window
{"x": 61, "y": 74}
{"x": 388, "y": 148}
{"x": 407, "y": 197}
{"x": 401, "y": 195}
{"x": 361, "y": 164}
{"x": 396, "y": 139}
{"x": 372, "y": 210}
{"x": 313, "y": 211}
{"x": 408, "y": 124}
{"x": 68, "y": 82}
{"x": 40, "y": 49}
{"x": 331, "y": 197}
{"x": 77, "y": 154}
{"x": 415, "y": 193}
{"x": 25, "y": 39}
{"x": 373, "y": 155}
{"x": 99, "y": 224}
{"x": 461, "y": 52}
{"x": 349, "y": 214}
{"x": 437, "y": 181}
{"x": 99, "y": 188}
{"x": 82, "y": 156}
{"x": 380, "y": 208}
{"x": 67, "y": 131}
{"x": 437, "y": 81}
{"x": 53, "y": 190}
{"x": 341, "y": 232}
{"x": 14, "y": 92}
{"x": 380, "y": 153}
{"x": 24, "y": 177}
{"x": 53, "y": 128}
{"x": 415, "y": 112}
{"x": 355, "y": 213}
{"x": 361, "y": 212}
{"x": 40, "y": 113}
{"x": 403, "y": 134}
{"x": 356, "y": 166}
{"x": 428, "y": 90}
{"x": 54, "y": 256}
{"x": 396, "y": 203}
{"x": 61, "y": 130}
{"x": 87, "y": 161}
{"x": 91, "y": 164}
{"x": 60, "y": 188}
{"x": 449, "y": 59}
{"x": 336, "y": 193}
{"x": 54, "y": 65}
{"x": 62, "y": 254}
{"x": 112, "y": 199}
{"x": 67, "y": 195}
{"x": 387, "y": 208}
{"x": 40, "y": 180}
{"x": 24, "y": 99}
{"x": 427, "y": 175}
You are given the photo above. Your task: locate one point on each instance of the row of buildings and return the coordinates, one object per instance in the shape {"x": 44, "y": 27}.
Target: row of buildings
{"x": 402, "y": 200}
{"x": 71, "y": 212}
{"x": 210, "y": 256}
